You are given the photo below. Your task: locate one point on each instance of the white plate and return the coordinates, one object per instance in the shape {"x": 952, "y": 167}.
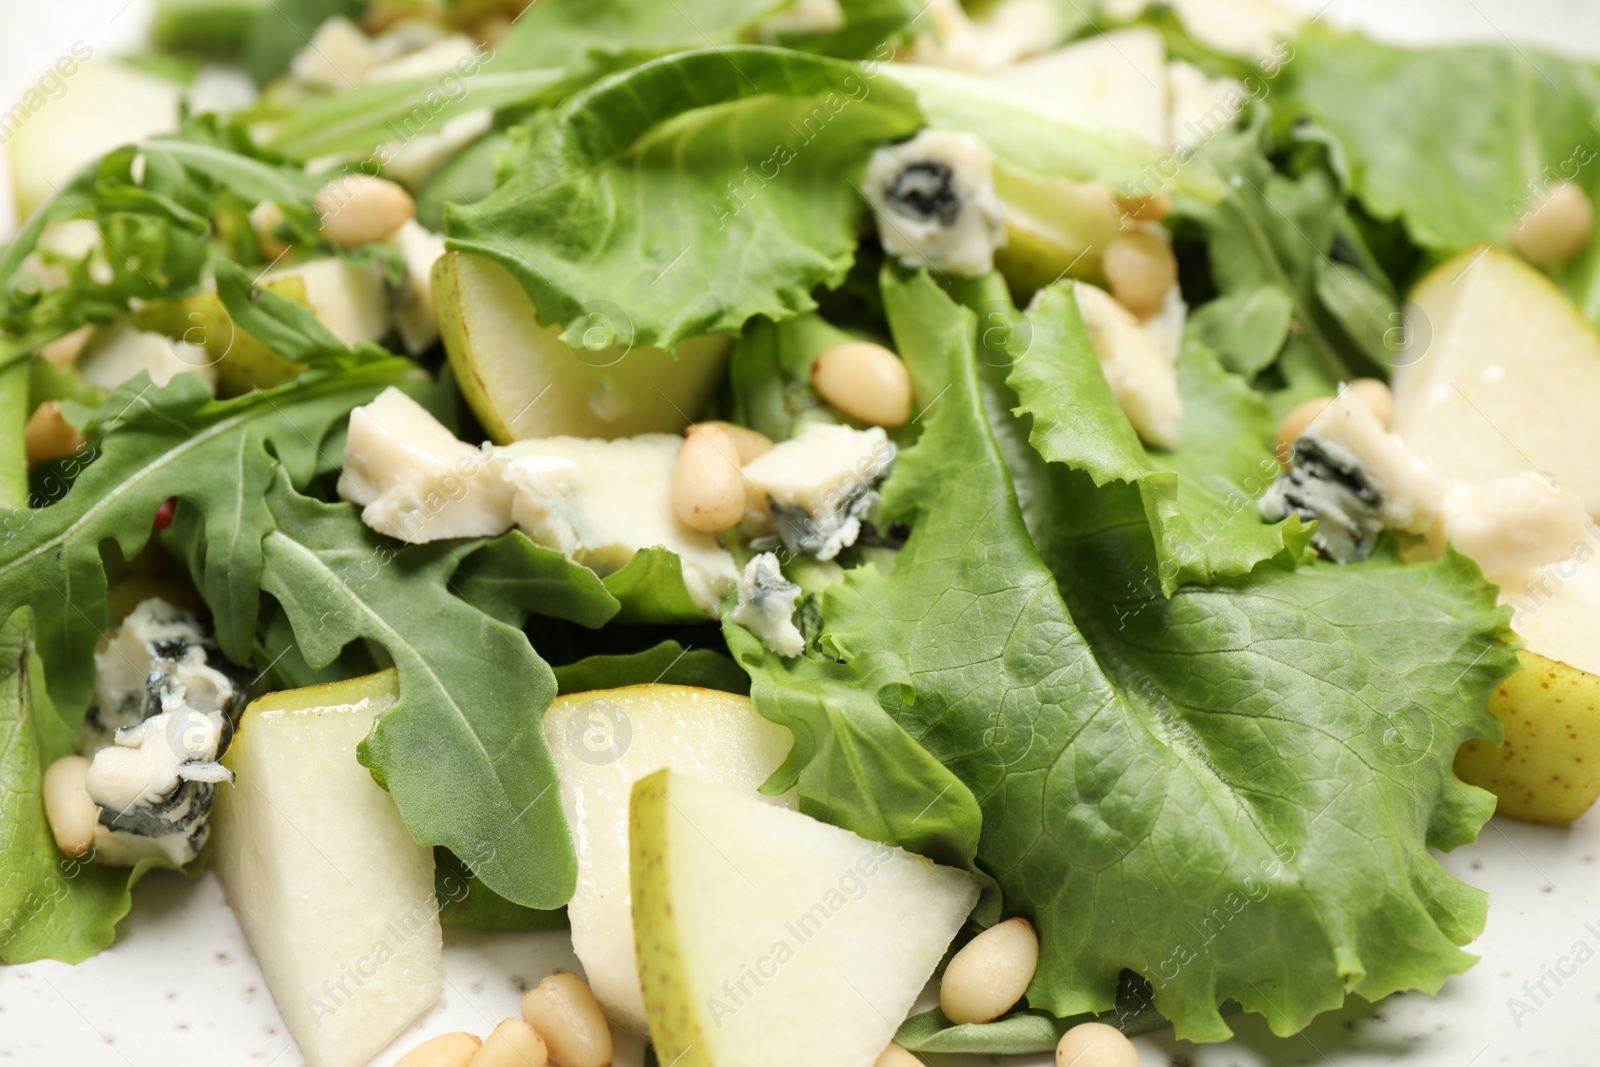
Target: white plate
{"x": 180, "y": 986}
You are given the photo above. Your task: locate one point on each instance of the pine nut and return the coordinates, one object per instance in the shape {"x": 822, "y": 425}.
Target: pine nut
{"x": 446, "y": 1050}
{"x": 1376, "y": 395}
{"x": 67, "y": 807}
{"x": 1140, "y": 270}
{"x": 1557, "y": 228}
{"x": 512, "y": 1044}
{"x": 1095, "y": 1045}
{"x": 48, "y": 435}
{"x": 895, "y": 1056}
{"x": 988, "y": 976}
{"x": 1144, "y": 208}
{"x": 1296, "y": 423}
{"x": 358, "y": 209}
{"x": 265, "y": 218}
{"x": 865, "y": 381}
{"x": 707, "y": 483}
{"x": 750, "y": 443}
{"x": 564, "y": 1011}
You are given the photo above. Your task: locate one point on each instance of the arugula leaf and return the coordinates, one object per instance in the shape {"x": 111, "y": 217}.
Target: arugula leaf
{"x": 625, "y": 197}
{"x": 290, "y": 329}
{"x": 511, "y": 578}
{"x": 1024, "y": 1032}
{"x": 668, "y": 663}
{"x": 650, "y": 589}
{"x": 1198, "y": 498}
{"x": 462, "y": 752}
{"x": 217, "y": 457}
{"x": 1270, "y": 242}
{"x": 852, "y": 764}
{"x": 1458, "y": 167}
{"x": 465, "y": 901}
{"x": 1284, "y": 730}
{"x": 51, "y": 906}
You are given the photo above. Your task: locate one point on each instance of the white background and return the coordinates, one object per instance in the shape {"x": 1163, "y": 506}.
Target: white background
{"x": 181, "y": 987}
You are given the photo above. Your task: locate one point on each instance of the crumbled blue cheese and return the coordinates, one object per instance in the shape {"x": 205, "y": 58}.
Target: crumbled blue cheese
{"x": 171, "y": 702}
{"x": 766, "y": 606}
{"x": 161, "y": 653}
{"x": 1357, "y": 479}
{"x": 598, "y": 502}
{"x": 935, "y": 203}
{"x": 415, "y": 480}
{"x": 814, "y": 490}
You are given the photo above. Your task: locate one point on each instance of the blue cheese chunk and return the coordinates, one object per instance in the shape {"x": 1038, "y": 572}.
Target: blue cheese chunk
{"x": 1357, "y": 479}
{"x": 165, "y": 704}
{"x": 598, "y": 502}
{"x": 766, "y": 606}
{"x": 935, "y": 202}
{"x": 415, "y": 480}
{"x": 159, "y": 654}
{"x": 813, "y": 491}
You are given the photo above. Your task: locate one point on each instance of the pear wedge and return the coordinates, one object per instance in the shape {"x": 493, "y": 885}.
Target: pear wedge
{"x": 604, "y": 741}
{"x": 768, "y": 939}
{"x": 523, "y": 381}
{"x": 335, "y": 897}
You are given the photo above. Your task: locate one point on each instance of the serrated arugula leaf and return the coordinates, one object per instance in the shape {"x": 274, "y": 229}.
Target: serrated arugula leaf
{"x": 1281, "y": 742}
{"x": 51, "y": 906}
{"x": 623, "y": 201}
{"x": 1199, "y": 499}
{"x": 463, "y": 752}
{"x": 1458, "y": 167}
{"x": 668, "y": 663}
{"x": 852, "y": 764}
{"x": 150, "y": 443}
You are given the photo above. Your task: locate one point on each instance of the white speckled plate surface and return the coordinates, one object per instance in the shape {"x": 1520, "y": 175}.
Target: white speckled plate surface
{"x": 181, "y": 987}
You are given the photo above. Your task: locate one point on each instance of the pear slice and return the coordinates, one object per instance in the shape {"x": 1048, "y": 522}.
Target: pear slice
{"x": 94, "y": 106}
{"x": 333, "y": 894}
{"x": 1548, "y": 769}
{"x": 768, "y": 939}
{"x": 1500, "y": 376}
{"x": 603, "y": 742}
{"x": 523, "y": 381}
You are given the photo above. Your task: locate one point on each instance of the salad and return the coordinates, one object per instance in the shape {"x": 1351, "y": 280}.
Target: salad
{"x": 907, "y": 529}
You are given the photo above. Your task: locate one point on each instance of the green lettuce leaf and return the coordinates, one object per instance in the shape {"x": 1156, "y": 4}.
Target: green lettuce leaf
{"x": 511, "y": 578}
{"x": 689, "y": 194}
{"x": 150, "y": 443}
{"x": 668, "y": 663}
{"x": 51, "y": 906}
{"x": 1150, "y": 768}
{"x": 1458, "y": 166}
{"x": 852, "y": 763}
{"x": 1199, "y": 499}
{"x": 463, "y": 752}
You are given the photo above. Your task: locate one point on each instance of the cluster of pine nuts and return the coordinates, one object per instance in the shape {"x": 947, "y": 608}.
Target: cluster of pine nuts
{"x": 864, "y": 380}
{"x": 562, "y": 1025}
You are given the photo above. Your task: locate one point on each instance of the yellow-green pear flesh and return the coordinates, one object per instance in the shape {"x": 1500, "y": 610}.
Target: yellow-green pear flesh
{"x": 603, "y": 741}
{"x": 334, "y": 896}
{"x": 1548, "y": 768}
{"x": 769, "y": 939}
{"x": 523, "y": 381}
{"x": 1499, "y": 375}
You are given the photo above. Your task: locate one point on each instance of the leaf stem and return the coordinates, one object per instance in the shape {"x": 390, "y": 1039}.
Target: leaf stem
{"x": 13, "y": 447}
